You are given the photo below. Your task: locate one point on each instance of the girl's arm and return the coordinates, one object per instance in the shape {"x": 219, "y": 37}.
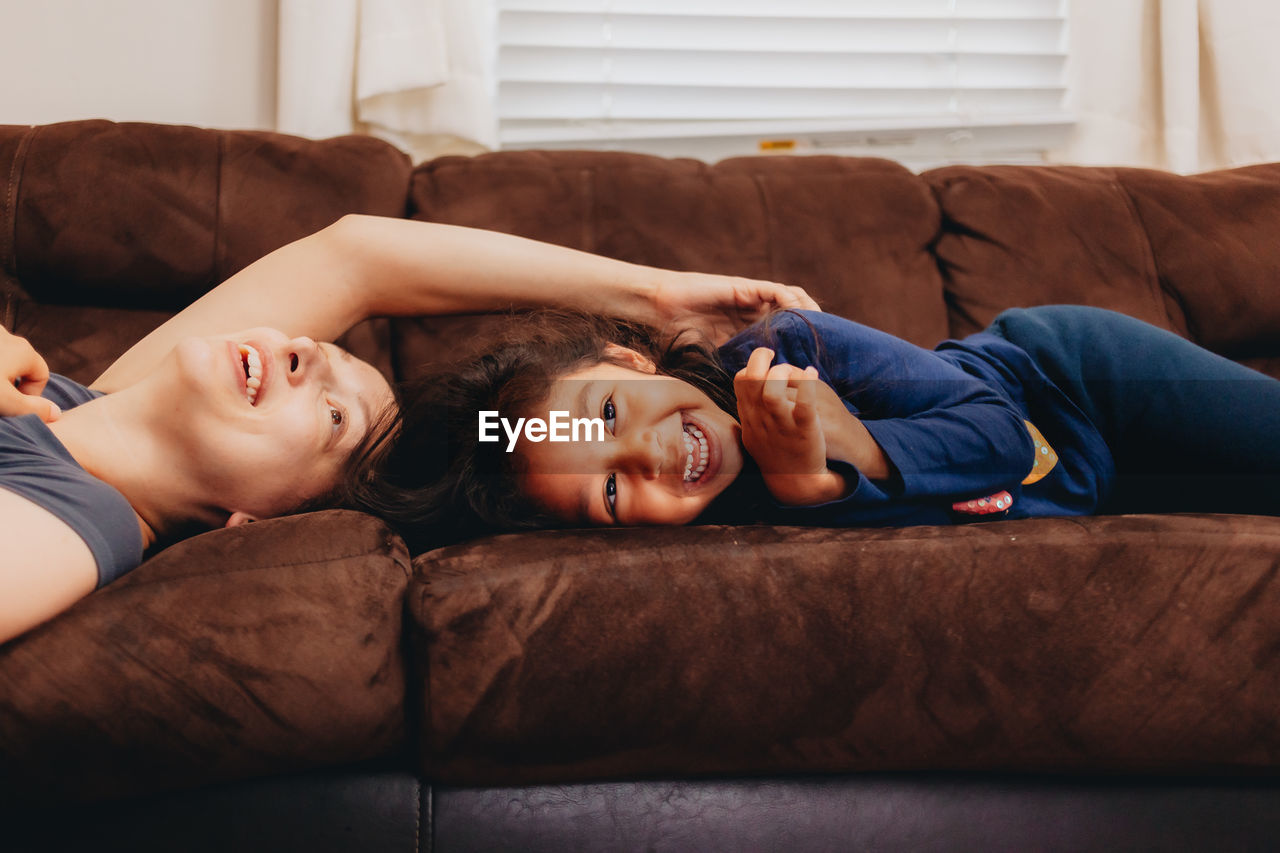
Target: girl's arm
{"x": 932, "y": 429}
{"x": 46, "y": 568}
{"x": 366, "y": 266}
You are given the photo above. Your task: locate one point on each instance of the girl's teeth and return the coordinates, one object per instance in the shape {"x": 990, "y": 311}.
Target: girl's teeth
{"x": 694, "y": 440}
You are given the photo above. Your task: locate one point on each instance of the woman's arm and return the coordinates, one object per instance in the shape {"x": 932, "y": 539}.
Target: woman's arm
{"x": 366, "y": 266}
{"x": 46, "y": 568}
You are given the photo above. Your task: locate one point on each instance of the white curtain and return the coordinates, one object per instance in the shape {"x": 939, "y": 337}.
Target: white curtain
{"x": 1186, "y": 85}
{"x": 417, "y": 73}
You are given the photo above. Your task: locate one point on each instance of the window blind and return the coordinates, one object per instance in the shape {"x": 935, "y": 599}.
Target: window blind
{"x": 774, "y": 74}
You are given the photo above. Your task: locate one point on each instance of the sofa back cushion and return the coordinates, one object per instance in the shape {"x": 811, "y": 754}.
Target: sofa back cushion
{"x": 854, "y": 232}
{"x": 1199, "y": 255}
{"x": 106, "y": 229}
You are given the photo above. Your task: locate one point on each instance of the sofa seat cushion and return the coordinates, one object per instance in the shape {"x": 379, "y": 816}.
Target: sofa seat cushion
{"x": 1122, "y": 643}
{"x": 267, "y": 648}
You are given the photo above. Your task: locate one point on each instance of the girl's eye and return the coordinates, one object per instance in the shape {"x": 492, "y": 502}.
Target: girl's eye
{"x": 337, "y": 417}
{"x": 610, "y": 412}
{"x": 611, "y": 495}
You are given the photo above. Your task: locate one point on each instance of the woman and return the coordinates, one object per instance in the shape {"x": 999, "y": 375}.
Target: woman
{"x": 201, "y": 425}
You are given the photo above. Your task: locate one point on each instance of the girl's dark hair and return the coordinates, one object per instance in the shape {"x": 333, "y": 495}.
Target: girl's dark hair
{"x": 425, "y": 471}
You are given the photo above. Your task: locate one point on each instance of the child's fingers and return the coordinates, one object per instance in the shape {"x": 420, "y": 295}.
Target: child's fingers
{"x": 799, "y": 379}
{"x": 749, "y": 381}
{"x": 774, "y": 392}
{"x": 757, "y": 367}
{"x": 805, "y": 412}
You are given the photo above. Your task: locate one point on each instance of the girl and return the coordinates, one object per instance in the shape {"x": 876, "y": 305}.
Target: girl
{"x": 809, "y": 418}
{"x": 201, "y": 426}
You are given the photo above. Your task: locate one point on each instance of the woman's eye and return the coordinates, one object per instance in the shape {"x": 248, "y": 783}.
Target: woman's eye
{"x": 610, "y": 412}
{"x": 336, "y": 416}
{"x": 611, "y": 494}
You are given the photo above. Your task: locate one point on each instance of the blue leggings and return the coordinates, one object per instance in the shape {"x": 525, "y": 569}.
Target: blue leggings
{"x": 1189, "y": 430}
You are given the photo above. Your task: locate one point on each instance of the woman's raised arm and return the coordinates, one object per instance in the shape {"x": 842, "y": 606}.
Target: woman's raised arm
{"x": 367, "y": 266}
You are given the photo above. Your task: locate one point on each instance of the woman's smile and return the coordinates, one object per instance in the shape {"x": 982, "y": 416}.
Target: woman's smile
{"x": 255, "y": 368}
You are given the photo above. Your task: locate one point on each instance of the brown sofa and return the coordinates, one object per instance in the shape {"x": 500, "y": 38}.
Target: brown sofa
{"x": 1081, "y": 683}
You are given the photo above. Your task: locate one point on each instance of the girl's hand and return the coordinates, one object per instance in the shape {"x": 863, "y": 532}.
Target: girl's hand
{"x": 720, "y": 306}
{"x": 25, "y": 374}
{"x": 782, "y": 431}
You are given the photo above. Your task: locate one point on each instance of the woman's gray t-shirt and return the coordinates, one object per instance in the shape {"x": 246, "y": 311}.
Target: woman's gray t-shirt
{"x": 35, "y": 465}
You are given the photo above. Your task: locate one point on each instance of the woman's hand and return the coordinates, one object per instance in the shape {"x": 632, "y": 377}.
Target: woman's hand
{"x": 782, "y": 430}
{"x": 25, "y": 374}
{"x": 720, "y": 306}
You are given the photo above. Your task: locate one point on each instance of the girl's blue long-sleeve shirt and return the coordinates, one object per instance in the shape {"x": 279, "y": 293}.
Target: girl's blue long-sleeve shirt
{"x": 952, "y": 422}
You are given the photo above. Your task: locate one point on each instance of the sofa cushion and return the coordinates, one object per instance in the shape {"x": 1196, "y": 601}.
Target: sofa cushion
{"x": 144, "y": 215}
{"x": 854, "y": 232}
{"x": 1216, "y": 247}
{"x": 262, "y": 649}
{"x": 1123, "y": 643}
{"x": 106, "y": 228}
{"x": 1195, "y": 254}
{"x": 1021, "y": 236}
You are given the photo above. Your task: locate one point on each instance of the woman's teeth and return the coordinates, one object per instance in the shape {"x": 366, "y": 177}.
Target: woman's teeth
{"x": 695, "y": 444}
{"x": 252, "y": 371}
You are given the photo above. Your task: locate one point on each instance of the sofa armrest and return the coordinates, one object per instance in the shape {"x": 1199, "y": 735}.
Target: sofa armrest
{"x": 1125, "y": 643}
{"x": 262, "y": 649}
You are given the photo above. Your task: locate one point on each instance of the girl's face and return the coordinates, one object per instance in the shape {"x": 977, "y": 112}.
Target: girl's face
{"x": 268, "y": 419}
{"x": 666, "y": 453}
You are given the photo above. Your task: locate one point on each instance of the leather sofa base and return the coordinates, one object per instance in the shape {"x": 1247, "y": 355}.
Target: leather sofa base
{"x": 327, "y": 812}
{"x": 394, "y": 811}
{"x": 881, "y": 813}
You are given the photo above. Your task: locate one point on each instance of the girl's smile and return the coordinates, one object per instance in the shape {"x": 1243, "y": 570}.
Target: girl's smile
{"x": 668, "y": 450}
{"x": 704, "y": 453}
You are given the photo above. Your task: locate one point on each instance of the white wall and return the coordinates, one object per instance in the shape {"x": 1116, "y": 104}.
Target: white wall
{"x": 204, "y": 62}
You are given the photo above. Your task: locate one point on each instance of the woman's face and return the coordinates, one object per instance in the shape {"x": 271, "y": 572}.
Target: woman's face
{"x": 270, "y": 420}
{"x": 667, "y": 450}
